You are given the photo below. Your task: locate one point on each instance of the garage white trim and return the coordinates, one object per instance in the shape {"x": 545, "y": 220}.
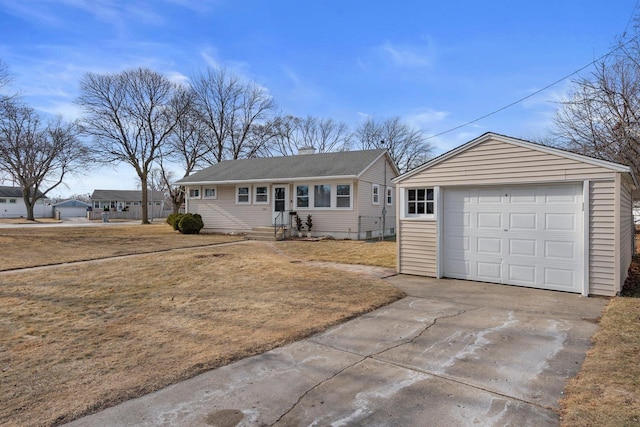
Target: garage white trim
{"x": 526, "y": 235}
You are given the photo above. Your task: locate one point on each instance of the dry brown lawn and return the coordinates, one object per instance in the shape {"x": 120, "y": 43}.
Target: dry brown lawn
{"x": 606, "y": 392}
{"x": 381, "y": 254}
{"x": 78, "y": 338}
{"x": 29, "y": 247}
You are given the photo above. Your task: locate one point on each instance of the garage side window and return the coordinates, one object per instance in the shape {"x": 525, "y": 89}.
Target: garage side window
{"x": 420, "y": 202}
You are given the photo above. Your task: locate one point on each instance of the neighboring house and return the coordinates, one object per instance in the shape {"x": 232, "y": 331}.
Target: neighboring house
{"x": 503, "y": 210}
{"x": 12, "y": 205}
{"x": 124, "y": 200}
{"x": 71, "y": 208}
{"x": 349, "y": 194}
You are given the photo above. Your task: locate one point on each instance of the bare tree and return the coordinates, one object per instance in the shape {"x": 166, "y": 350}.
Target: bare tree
{"x": 233, "y": 111}
{"x": 5, "y": 77}
{"x": 407, "y": 146}
{"x": 131, "y": 115}
{"x": 601, "y": 115}
{"x": 37, "y": 155}
{"x": 289, "y": 133}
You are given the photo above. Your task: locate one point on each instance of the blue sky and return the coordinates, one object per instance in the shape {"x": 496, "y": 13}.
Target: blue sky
{"x": 436, "y": 64}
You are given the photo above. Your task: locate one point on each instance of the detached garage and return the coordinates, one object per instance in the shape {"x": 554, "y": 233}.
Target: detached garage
{"x": 504, "y": 210}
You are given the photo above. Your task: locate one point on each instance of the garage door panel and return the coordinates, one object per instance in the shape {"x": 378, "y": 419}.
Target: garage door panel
{"x": 560, "y": 250}
{"x": 489, "y": 196}
{"x": 559, "y": 277}
{"x": 523, "y": 247}
{"x": 522, "y": 273}
{"x": 489, "y": 220}
{"x": 522, "y": 235}
{"x": 488, "y": 270}
{"x": 489, "y": 245}
{"x": 523, "y": 221}
{"x": 560, "y": 195}
{"x": 560, "y": 222}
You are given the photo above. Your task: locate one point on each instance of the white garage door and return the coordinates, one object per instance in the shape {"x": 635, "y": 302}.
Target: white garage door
{"x": 518, "y": 235}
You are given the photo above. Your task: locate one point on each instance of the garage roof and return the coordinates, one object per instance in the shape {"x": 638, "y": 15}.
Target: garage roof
{"x": 522, "y": 143}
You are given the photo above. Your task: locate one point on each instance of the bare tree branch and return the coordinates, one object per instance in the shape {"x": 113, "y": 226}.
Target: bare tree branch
{"x": 406, "y": 146}
{"x": 35, "y": 154}
{"x": 131, "y": 116}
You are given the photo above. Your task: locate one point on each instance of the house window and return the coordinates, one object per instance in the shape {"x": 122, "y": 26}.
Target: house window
{"x": 194, "y": 193}
{"x": 375, "y": 194}
{"x": 322, "y": 196}
{"x": 343, "y": 196}
{"x": 302, "y": 196}
{"x": 262, "y": 195}
{"x": 242, "y": 195}
{"x": 420, "y": 202}
{"x": 389, "y": 196}
{"x": 96, "y": 204}
{"x": 210, "y": 193}
{"x": 3, "y": 200}
{"x": 12, "y": 200}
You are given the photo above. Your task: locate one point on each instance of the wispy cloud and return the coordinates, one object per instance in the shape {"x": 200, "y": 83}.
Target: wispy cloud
{"x": 425, "y": 117}
{"x": 409, "y": 55}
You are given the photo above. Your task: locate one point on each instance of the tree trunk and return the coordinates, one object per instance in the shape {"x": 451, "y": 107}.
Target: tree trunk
{"x": 29, "y": 205}
{"x": 145, "y": 200}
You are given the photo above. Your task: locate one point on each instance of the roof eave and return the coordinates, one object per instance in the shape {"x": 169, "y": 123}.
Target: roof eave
{"x": 265, "y": 180}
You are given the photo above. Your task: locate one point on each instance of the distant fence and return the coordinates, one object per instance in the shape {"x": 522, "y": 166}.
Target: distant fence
{"x": 133, "y": 214}
{"x": 372, "y": 227}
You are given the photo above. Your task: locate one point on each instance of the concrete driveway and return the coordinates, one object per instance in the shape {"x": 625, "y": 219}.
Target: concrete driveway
{"x": 453, "y": 353}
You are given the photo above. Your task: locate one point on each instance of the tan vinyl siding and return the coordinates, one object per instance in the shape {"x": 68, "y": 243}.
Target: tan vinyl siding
{"x": 602, "y": 241}
{"x": 417, "y": 248}
{"x": 627, "y": 230}
{"x": 223, "y": 214}
{"x": 329, "y": 220}
{"x": 496, "y": 162}
{"x": 375, "y": 174}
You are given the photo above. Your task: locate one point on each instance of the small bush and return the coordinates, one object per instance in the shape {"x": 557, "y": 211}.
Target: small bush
{"x": 174, "y": 219}
{"x": 190, "y": 224}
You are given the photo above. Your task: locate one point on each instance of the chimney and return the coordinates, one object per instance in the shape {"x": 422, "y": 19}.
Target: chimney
{"x": 306, "y": 150}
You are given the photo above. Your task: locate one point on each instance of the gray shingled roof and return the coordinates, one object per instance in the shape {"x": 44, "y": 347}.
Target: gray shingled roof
{"x": 12, "y": 191}
{"x": 340, "y": 164}
{"x": 124, "y": 195}
{"x": 72, "y": 203}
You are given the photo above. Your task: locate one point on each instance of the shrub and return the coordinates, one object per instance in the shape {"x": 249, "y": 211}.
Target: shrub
{"x": 190, "y": 224}
{"x": 174, "y": 219}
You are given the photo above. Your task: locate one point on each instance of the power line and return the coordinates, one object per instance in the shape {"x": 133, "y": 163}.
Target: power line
{"x": 537, "y": 91}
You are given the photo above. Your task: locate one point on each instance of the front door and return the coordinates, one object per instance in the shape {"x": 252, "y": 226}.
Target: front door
{"x": 280, "y": 197}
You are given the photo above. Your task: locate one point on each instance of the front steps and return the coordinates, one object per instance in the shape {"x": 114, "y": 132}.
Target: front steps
{"x": 265, "y": 234}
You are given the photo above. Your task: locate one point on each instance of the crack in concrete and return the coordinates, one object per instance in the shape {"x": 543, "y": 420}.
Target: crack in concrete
{"x": 412, "y": 340}
{"x": 303, "y": 395}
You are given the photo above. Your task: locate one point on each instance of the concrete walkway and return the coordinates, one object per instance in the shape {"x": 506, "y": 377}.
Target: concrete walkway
{"x": 452, "y": 353}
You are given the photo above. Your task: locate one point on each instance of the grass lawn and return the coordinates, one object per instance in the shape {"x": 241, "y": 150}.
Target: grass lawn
{"x": 606, "y": 391}
{"x": 381, "y": 254}
{"x": 78, "y": 338}
{"x": 44, "y": 245}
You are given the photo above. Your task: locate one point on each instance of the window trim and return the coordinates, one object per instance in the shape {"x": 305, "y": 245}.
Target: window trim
{"x": 331, "y": 195}
{"x": 333, "y": 201}
{"x": 194, "y": 193}
{"x": 215, "y": 193}
{"x": 256, "y": 194}
{"x": 405, "y": 203}
{"x": 344, "y": 197}
{"x": 238, "y": 202}
{"x": 389, "y": 196}
{"x": 308, "y": 197}
{"x": 375, "y": 194}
